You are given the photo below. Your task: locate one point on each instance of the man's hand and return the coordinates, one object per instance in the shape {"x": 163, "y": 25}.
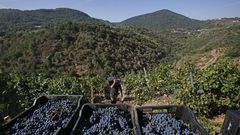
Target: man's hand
{"x": 122, "y": 98}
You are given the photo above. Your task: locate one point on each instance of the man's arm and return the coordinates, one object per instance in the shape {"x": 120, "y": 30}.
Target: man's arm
{"x": 120, "y": 87}
{"x": 114, "y": 82}
{"x": 122, "y": 99}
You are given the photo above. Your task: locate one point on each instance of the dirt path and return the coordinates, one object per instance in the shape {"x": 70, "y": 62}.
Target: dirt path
{"x": 202, "y": 61}
{"x": 205, "y": 62}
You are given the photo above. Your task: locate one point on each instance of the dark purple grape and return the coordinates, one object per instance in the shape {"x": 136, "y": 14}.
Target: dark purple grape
{"x": 164, "y": 124}
{"x": 108, "y": 120}
{"x": 45, "y": 119}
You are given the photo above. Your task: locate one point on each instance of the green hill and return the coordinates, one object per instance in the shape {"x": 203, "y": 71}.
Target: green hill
{"x": 206, "y": 46}
{"x": 81, "y": 49}
{"x": 37, "y": 43}
{"x": 163, "y": 20}
{"x": 12, "y": 20}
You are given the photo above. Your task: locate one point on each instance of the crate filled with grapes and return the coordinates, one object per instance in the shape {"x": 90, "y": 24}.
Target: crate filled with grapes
{"x": 106, "y": 119}
{"x": 52, "y": 114}
{"x": 167, "y": 120}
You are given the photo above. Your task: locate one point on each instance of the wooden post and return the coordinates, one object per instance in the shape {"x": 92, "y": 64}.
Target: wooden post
{"x": 191, "y": 80}
{"x": 92, "y": 96}
{"x": 145, "y": 72}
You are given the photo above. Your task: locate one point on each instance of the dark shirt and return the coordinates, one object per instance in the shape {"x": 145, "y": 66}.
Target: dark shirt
{"x": 117, "y": 86}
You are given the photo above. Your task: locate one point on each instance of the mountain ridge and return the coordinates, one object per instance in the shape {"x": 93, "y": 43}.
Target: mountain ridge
{"x": 52, "y": 48}
{"x": 163, "y": 20}
{"x": 14, "y": 19}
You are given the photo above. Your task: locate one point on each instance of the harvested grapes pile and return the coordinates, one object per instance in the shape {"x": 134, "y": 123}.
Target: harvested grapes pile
{"x": 46, "y": 119}
{"x": 163, "y": 124}
{"x": 108, "y": 121}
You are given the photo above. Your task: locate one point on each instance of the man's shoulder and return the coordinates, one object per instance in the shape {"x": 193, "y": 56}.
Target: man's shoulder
{"x": 111, "y": 78}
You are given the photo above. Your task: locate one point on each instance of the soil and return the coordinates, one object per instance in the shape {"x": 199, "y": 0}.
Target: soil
{"x": 206, "y": 61}
{"x": 162, "y": 100}
{"x": 219, "y": 120}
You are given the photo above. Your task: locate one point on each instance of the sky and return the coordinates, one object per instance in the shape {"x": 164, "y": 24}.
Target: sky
{"x": 119, "y": 10}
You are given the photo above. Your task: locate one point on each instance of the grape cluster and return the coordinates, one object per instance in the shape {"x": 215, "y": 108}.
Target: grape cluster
{"x": 45, "y": 119}
{"x": 164, "y": 124}
{"x": 108, "y": 120}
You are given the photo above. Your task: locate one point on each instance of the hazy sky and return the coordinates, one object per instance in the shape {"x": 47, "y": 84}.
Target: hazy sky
{"x": 119, "y": 10}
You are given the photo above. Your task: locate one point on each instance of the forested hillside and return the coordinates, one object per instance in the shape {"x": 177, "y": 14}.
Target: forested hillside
{"x": 81, "y": 49}
{"x": 206, "y": 46}
{"x": 12, "y": 20}
{"x": 92, "y": 48}
{"x": 164, "y": 20}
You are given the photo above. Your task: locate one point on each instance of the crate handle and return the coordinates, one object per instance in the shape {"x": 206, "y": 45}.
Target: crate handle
{"x": 147, "y": 110}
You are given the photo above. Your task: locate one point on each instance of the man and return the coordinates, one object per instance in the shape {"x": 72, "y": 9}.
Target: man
{"x": 115, "y": 87}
